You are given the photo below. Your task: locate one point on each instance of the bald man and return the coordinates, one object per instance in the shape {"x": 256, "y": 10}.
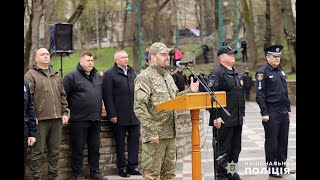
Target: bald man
{"x": 49, "y": 98}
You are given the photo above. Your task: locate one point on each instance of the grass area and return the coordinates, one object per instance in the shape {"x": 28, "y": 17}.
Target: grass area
{"x": 103, "y": 60}
{"x": 291, "y": 76}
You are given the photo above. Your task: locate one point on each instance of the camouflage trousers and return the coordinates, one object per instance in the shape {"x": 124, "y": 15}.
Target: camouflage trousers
{"x": 159, "y": 159}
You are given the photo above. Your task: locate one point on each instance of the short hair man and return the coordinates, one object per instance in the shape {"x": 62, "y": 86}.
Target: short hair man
{"x": 118, "y": 93}
{"x": 155, "y": 85}
{"x": 84, "y": 95}
{"x": 273, "y": 100}
{"x": 227, "y": 129}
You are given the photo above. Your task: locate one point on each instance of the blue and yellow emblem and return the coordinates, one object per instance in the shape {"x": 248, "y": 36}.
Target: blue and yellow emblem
{"x": 260, "y": 77}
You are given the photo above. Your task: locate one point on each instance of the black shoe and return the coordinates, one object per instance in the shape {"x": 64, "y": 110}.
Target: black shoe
{"x": 123, "y": 173}
{"x": 276, "y": 175}
{"x": 77, "y": 177}
{"x": 96, "y": 175}
{"x": 222, "y": 177}
{"x": 235, "y": 176}
{"x": 134, "y": 171}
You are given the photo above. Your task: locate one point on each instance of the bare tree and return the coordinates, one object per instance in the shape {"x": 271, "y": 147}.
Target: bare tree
{"x": 77, "y": 12}
{"x": 250, "y": 32}
{"x": 156, "y": 18}
{"x": 31, "y": 39}
{"x": 124, "y": 25}
{"x": 36, "y": 9}
{"x": 97, "y": 25}
{"x": 267, "y": 36}
{"x": 289, "y": 31}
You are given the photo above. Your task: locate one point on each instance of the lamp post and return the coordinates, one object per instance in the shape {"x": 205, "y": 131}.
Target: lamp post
{"x": 137, "y": 9}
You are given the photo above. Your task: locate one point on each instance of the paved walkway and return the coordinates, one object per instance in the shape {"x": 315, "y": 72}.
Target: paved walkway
{"x": 251, "y": 156}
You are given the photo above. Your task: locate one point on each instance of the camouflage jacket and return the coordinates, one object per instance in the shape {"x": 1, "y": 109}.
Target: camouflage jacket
{"x": 155, "y": 85}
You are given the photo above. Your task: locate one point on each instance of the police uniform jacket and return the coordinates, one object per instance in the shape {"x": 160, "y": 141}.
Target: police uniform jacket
{"x": 271, "y": 90}
{"x": 84, "y": 94}
{"x": 29, "y": 111}
{"x": 223, "y": 79}
{"x": 118, "y": 93}
{"x": 204, "y": 79}
{"x": 180, "y": 79}
{"x": 48, "y": 94}
{"x": 155, "y": 85}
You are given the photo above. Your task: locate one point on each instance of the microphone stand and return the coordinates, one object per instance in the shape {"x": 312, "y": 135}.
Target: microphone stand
{"x": 213, "y": 99}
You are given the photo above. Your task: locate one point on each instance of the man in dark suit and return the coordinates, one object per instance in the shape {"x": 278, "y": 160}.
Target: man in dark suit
{"x": 118, "y": 95}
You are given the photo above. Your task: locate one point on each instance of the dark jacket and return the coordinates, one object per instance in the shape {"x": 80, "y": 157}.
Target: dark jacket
{"x": 83, "y": 94}
{"x": 244, "y": 46}
{"x": 118, "y": 95}
{"x": 203, "y": 79}
{"x": 223, "y": 79}
{"x": 29, "y": 111}
{"x": 247, "y": 80}
{"x": 205, "y": 49}
{"x": 48, "y": 94}
{"x": 272, "y": 90}
{"x": 181, "y": 80}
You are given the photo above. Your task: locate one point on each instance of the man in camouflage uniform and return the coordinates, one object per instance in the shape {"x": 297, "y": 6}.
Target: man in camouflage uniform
{"x": 155, "y": 85}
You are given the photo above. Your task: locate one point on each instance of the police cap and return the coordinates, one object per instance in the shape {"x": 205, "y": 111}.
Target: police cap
{"x": 226, "y": 50}
{"x": 274, "y": 50}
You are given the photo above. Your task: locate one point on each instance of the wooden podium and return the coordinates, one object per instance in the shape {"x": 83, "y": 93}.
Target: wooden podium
{"x": 194, "y": 102}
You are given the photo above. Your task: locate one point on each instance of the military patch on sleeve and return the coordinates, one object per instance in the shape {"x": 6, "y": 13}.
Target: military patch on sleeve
{"x": 260, "y": 77}
{"x": 211, "y": 82}
{"x": 141, "y": 94}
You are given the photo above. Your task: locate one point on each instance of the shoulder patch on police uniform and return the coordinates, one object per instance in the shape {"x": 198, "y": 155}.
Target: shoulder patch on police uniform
{"x": 260, "y": 76}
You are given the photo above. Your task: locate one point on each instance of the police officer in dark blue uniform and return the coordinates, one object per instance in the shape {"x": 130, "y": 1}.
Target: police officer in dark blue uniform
{"x": 227, "y": 130}
{"x": 30, "y": 126}
{"x": 274, "y": 103}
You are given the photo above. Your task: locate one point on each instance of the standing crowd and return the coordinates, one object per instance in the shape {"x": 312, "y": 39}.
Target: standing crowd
{"x": 129, "y": 100}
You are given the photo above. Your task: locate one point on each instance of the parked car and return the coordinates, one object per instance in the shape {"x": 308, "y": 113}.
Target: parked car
{"x": 189, "y": 32}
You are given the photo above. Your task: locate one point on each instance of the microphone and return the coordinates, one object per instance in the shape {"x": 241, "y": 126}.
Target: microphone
{"x": 186, "y": 63}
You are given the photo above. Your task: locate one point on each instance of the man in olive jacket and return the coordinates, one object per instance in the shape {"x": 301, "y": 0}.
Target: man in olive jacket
{"x": 118, "y": 93}
{"x": 155, "y": 85}
{"x": 49, "y": 98}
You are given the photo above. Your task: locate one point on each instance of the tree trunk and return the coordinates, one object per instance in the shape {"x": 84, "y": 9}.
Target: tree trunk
{"x": 208, "y": 18}
{"x": 77, "y": 12}
{"x": 200, "y": 17}
{"x": 289, "y": 30}
{"x": 124, "y": 26}
{"x": 155, "y": 37}
{"x": 267, "y": 37}
{"x": 48, "y": 19}
{"x": 37, "y": 15}
{"x": 250, "y": 33}
{"x": 97, "y": 25}
{"x": 28, "y": 44}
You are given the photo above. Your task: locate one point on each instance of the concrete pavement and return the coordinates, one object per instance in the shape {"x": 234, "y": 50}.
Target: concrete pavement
{"x": 252, "y": 156}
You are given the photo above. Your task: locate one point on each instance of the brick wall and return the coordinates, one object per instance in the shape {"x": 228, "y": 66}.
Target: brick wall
{"x": 108, "y": 150}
